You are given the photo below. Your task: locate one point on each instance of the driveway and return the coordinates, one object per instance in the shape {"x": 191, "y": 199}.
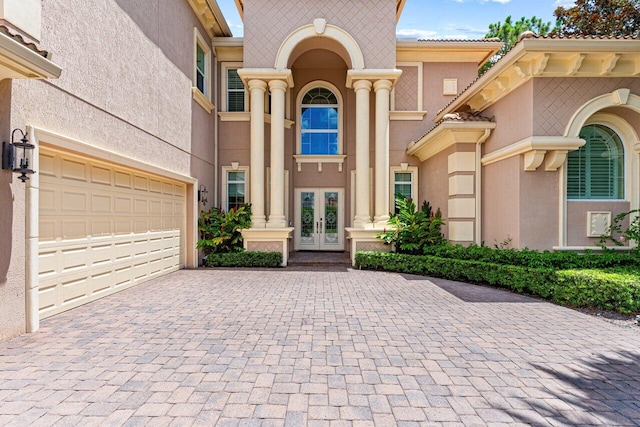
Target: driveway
{"x": 233, "y": 347}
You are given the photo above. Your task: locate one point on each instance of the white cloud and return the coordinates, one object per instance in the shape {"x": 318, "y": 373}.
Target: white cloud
{"x": 415, "y": 33}
{"x": 565, "y": 3}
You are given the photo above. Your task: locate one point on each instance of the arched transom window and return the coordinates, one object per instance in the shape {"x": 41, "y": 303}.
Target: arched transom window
{"x": 596, "y": 170}
{"x": 319, "y": 129}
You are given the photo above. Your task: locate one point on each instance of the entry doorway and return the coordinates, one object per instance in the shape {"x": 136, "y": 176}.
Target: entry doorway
{"x": 319, "y": 219}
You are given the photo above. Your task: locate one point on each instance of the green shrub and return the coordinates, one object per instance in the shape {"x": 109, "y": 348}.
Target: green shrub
{"x": 533, "y": 259}
{"x": 244, "y": 259}
{"x": 614, "y": 289}
{"x": 220, "y": 230}
{"x": 410, "y": 229}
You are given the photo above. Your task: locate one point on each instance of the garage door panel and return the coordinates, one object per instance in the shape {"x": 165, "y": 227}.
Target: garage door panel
{"x": 103, "y": 229}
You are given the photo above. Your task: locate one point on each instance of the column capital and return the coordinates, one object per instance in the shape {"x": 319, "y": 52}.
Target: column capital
{"x": 257, "y": 84}
{"x": 362, "y": 85}
{"x": 383, "y": 84}
{"x": 278, "y": 85}
{"x": 266, "y": 74}
{"x": 372, "y": 75}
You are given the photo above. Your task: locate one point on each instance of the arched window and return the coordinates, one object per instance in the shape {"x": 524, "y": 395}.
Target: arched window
{"x": 319, "y": 122}
{"x": 596, "y": 170}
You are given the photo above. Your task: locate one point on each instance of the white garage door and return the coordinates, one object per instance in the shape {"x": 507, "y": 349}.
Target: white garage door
{"x": 103, "y": 228}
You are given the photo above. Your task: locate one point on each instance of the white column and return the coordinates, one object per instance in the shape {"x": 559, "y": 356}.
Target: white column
{"x": 363, "y": 216}
{"x": 257, "y": 88}
{"x": 382, "y": 89}
{"x": 276, "y": 215}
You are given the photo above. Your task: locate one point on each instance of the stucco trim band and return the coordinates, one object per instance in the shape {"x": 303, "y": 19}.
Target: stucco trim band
{"x": 447, "y": 134}
{"x": 18, "y": 61}
{"x": 535, "y": 149}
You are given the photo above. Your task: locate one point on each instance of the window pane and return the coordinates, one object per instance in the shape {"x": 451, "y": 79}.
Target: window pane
{"x": 235, "y": 176}
{"x": 403, "y": 177}
{"x": 233, "y": 80}
{"x": 319, "y": 143}
{"x": 200, "y": 59}
{"x": 200, "y": 81}
{"x": 235, "y": 101}
{"x": 596, "y": 170}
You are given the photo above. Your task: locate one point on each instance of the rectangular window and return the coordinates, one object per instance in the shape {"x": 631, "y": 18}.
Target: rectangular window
{"x": 235, "y": 91}
{"x": 236, "y": 189}
{"x": 201, "y": 70}
{"x": 402, "y": 185}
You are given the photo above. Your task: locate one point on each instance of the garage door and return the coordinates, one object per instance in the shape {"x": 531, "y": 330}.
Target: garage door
{"x": 103, "y": 228}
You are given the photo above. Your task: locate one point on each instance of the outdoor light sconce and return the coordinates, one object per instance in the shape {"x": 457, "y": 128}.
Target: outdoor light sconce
{"x": 202, "y": 194}
{"x": 16, "y": 156}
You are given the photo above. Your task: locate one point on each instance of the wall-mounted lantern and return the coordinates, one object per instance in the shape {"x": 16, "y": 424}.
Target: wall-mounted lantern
{"x": 17, "y": 155}
{"x": 202, "y": 195}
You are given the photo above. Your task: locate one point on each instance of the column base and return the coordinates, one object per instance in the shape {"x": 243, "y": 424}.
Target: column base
{"x": 258, "y": 221}
{"x": 362, "y": 222}
{"x": 276, "y": 222}
{"x": 365, "y": 240}
{"x": 268, "y": 240}
{"x": 381, "y": 221}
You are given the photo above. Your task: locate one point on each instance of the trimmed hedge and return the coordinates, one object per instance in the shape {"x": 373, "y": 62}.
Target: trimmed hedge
{"x": 534, "y": 259}
{"x": 244, "y": 259}
{"x": 610, "y": 290}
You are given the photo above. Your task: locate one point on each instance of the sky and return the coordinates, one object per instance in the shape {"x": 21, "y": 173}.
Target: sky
{"x": 445, "y": 19}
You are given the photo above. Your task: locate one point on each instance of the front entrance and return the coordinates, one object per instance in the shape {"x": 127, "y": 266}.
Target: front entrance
{"x": 319, "y": 214}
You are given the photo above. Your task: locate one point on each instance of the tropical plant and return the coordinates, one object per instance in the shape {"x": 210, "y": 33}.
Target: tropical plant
{"x": 509, "y": 31}
{"x": 411, "y": 230}
{"x": 599, "y": 18}
{"x": 631, "y": 234}
{"x": 220, "y": 231}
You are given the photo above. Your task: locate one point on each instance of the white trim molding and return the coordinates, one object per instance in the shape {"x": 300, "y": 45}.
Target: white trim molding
{"x": 224, "y": 202}
{"x": 320, "y": 28}
{"x": 617, "y": 98}
{"x": 224, "y": 68}
{"x": 535, "y": 149}
{"x": 319, "y": 159}
{"x": 447, "y": 134}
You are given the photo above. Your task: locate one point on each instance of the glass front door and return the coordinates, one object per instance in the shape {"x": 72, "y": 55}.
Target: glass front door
{"x": 319, "y": 219}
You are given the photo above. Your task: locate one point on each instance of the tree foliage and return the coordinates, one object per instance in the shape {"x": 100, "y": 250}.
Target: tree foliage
{"x": 508, "y": 33}
{"x": 599, "y": 18}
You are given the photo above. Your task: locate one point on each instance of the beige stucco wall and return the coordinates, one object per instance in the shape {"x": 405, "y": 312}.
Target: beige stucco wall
{"x": 514, "y": 117}
{"x": 125, "y": 87}
{"x": 500, "y": 202}
{"x": 370, "y": 22}
{"x": 557, "y": 99}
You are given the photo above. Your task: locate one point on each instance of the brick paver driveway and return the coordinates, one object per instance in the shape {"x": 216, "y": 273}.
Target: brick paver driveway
{"x": 232, "y": 347}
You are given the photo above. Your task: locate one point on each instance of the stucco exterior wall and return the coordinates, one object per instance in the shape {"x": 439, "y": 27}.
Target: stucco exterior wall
{"x": 514, "y": 117}
{"x": 370, "y": 22}
{"x": 125, "y": 87}
{"x": 577, "y": 219}
{"x": 500, "y": 202}
{"x": 539, "y": 208}
{"x": 433, "y": 187}
{"x": 557, "y": 99}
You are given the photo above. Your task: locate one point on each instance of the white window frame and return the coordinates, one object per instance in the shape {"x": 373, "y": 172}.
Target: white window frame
{"x": 225, "y": 182}
{"x": 413, "y": 170}
{"x": 202, "y": 98}
{"x": 224, "y": 107}
{"x": 301, "y": 94}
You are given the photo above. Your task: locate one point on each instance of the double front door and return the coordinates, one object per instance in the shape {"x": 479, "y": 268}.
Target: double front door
{"x": 319, "y": 214}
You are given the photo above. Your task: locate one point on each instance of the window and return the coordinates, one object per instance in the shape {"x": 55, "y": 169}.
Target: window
{"x": 404, "y": 181}
{"x": 202, "y": 65}
{"x": 319, "y": 122}
{"x": 403, "y": 185}
{"x": 201, "y": 73}
{"x": 596, "y": 170}
{"x": 236, "y": 189}
{"x": 235, "y": 91}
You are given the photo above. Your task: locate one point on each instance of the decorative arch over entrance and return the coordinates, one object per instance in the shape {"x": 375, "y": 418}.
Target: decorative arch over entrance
{"x": 320, "y": 28}
{"x": 617, "y": 98}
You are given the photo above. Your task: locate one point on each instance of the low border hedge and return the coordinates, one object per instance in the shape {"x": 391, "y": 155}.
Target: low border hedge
{"x": 244, "y": 259}
{"x": 616, "y": 289}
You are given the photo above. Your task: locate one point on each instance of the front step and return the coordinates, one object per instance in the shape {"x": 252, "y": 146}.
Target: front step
{"x": 319, "y": 259}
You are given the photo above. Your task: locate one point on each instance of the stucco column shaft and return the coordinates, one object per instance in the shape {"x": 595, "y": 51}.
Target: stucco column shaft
{"x": 276, "y": 214}
{"x": 382, "y": 89}
{"x": 363, "y": 215}
{"x": 257, "y": 88}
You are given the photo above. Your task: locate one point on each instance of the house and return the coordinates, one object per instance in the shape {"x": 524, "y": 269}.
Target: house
{"x": 143, "y": 115}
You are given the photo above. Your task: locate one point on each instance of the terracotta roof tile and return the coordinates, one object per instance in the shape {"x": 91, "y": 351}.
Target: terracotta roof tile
{"x": 17, "y": 37}
{"x": 460, "y": 117}
{"x": 489, "y": 40}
